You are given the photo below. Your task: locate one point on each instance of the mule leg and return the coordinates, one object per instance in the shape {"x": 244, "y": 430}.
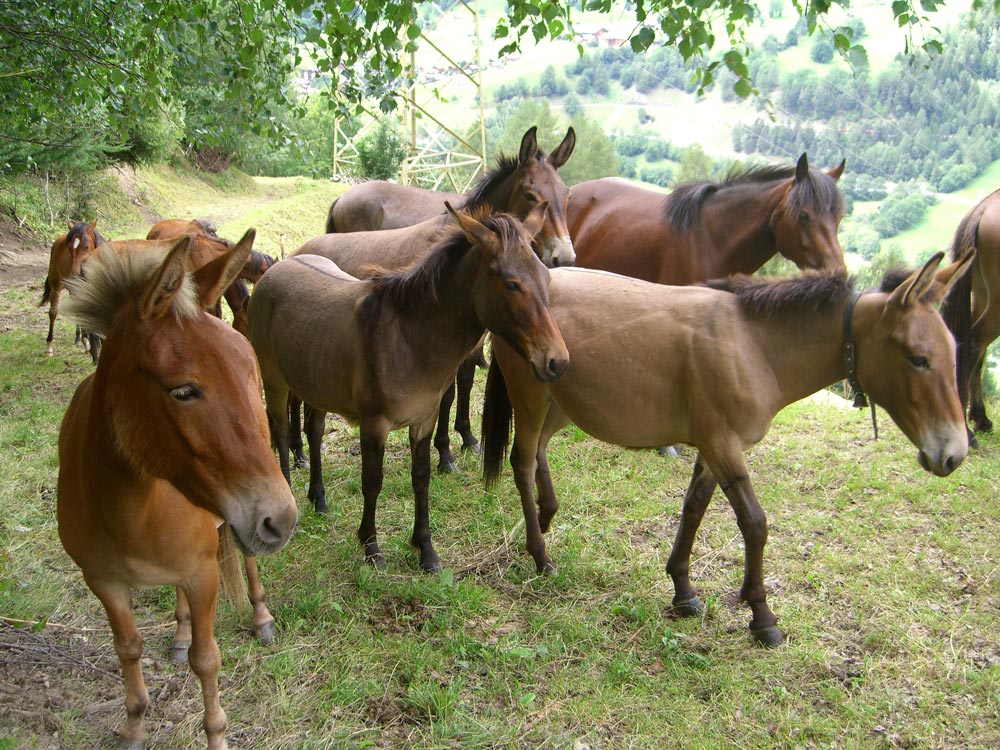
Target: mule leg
{"x": 315, "y": 422}
{"x": 53, "y": 314}
{"x": 524, "y": 462}
{"x": 373, "y": 436}
{"x": 182, "y": 636}
{"x": 696, "y": 499}
{"x": 446, "y": 459}
{"x": 94, "y": 346}
{"x": 205, "y": 659}
{"x": 420, "y": 477}
{"x": 295, "y": 431}
{"x": 463, "y": 388}
{"x": 263, "y": 621}
{"x": 117, "y": 600}
{"x": 548, "y": 503}
{"x": 977, "y": 405}
{"x": 276, "y": 404}
{"x": 753, "y": 526}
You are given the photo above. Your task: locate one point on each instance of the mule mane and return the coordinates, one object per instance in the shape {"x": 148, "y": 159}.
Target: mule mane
{"x": 110, "y": 276}
{"x": 482, "y": 192}
{"x": 818, "y": 191}
{"x": 405, "y": 289}
{"x": 762, "y": 298}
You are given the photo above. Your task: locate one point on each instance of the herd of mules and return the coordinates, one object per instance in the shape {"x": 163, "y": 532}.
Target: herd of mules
{"x": 629, "y": 313}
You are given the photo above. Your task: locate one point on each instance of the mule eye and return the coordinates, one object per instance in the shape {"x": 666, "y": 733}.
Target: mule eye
{"x": 530, "y": 198}
{"x": 185, "y": 393}
{"x": 804, "y": 217}
{"x": 920, "y": 362}
{"x": 512, "y": 286}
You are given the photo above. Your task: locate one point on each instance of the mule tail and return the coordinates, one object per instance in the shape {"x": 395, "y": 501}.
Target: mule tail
{"x": 46, "y": 292}
{"x": 497, "y": 413}
{"x": 231, "y": 573}
{"x": 956, "y": 309}
{"x": 330, "y": 226}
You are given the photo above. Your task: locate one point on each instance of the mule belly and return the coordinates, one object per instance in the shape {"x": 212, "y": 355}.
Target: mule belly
{"x": 636, "y": 412}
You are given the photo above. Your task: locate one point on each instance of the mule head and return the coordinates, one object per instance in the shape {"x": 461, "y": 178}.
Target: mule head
{"x": 807, "y": 216}
{"x": 184, "y": 390}
{"x": 81, "y": 242}
{"x": 536, "y": 180}
{"x": 511, "y": 289}
{"x": 906, "y": 362}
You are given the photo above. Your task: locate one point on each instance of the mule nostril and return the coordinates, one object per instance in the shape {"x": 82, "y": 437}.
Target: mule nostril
{"x": 269, "y": 532}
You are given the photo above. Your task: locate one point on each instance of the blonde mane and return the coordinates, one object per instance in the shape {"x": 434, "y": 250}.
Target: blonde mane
{"x": 110, "y": 275}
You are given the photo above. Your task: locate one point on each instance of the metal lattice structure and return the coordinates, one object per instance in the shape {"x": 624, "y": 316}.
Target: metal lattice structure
{"x": 439, "y": 154}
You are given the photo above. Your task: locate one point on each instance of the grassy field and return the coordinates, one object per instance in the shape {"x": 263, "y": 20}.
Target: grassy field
{"x": 884, "y": 578}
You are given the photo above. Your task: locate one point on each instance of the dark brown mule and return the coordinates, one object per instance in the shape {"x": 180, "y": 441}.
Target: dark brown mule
{"x": 65, "y": 261}
{"x": 515, "y": 186}
{"x": 707, "y": 230}
{"x": 972, "y": 309}
{"x": 164, "y": 442}
{"x": 655, "y": 365}
{"x": 381, "y": 351}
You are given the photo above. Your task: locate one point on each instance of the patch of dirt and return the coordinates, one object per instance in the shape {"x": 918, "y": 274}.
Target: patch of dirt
{"x": 23, "y": 259}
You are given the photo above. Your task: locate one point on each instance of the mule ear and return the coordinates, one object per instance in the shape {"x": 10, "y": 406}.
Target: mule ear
{"x": 837, "y": 171}
{"x": 802, "y": 168}
{"x": 213, "y": 278}
{"x": 529, "y": 146}
{"x": 562, "y": 152}
{"x": 69, "y": 223}
{"x": 912, "y": 289}
{"x": 535, "y": 219}
{"x": 946, "y": 277}
{"x": 166, "y": 282}
{"x": 473, "y": 230}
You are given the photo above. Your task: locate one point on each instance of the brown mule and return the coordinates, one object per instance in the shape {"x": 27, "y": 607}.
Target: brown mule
{"x": 165, "y": 441}
{"x": 655, "y": 365}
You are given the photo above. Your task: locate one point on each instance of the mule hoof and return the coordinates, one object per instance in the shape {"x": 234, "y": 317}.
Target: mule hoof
{"x": 768, "y": 637}
{"x": 266, "y": 632}
{"x": 689, "y": 608}
{"x": 474, "y": 448}
{"x": 377, "y": 561}
{"x": 668, "y": 450}
{"x": 179, "y": 652}
{"x": 432, "y": 566}
{"x": 448, "y": 467}
{"x": 124, "y": 744}
{"x": 547, "y": 569}
{"x": 319, "y": 504}
{"x": 299, "y": 460}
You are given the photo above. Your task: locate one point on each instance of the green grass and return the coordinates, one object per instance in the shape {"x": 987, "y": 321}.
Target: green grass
{"x": 883, "y": 577}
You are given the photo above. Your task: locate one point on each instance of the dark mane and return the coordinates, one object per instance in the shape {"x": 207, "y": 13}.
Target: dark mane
{"x": 818, "y": 191}
{"x": 482, "y": 192}
{"x": 407, "y": 288}
{"x": 763, "y": 298}
{"x": 81, "y": 228}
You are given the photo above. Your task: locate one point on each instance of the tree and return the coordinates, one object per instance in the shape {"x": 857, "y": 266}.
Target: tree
{"x": 695, "y": 164}
{"x": 381, "y": 152}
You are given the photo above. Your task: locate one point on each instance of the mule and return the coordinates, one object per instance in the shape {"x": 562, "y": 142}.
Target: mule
{"x": 655, "y": 365}
{"x": 165, "y": 441}
{"x": 515, "y": 186}
{"x": 381, "y": 351}
{"x": 972, "y": 309}
{"x": 66, "y": 258}
{"x": 706, "y": 230}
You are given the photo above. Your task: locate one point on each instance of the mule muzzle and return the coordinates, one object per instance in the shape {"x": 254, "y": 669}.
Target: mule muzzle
{"x": 943, "y": 459}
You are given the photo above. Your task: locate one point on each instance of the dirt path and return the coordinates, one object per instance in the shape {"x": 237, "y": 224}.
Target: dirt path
{"x": 22, "y": 260}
